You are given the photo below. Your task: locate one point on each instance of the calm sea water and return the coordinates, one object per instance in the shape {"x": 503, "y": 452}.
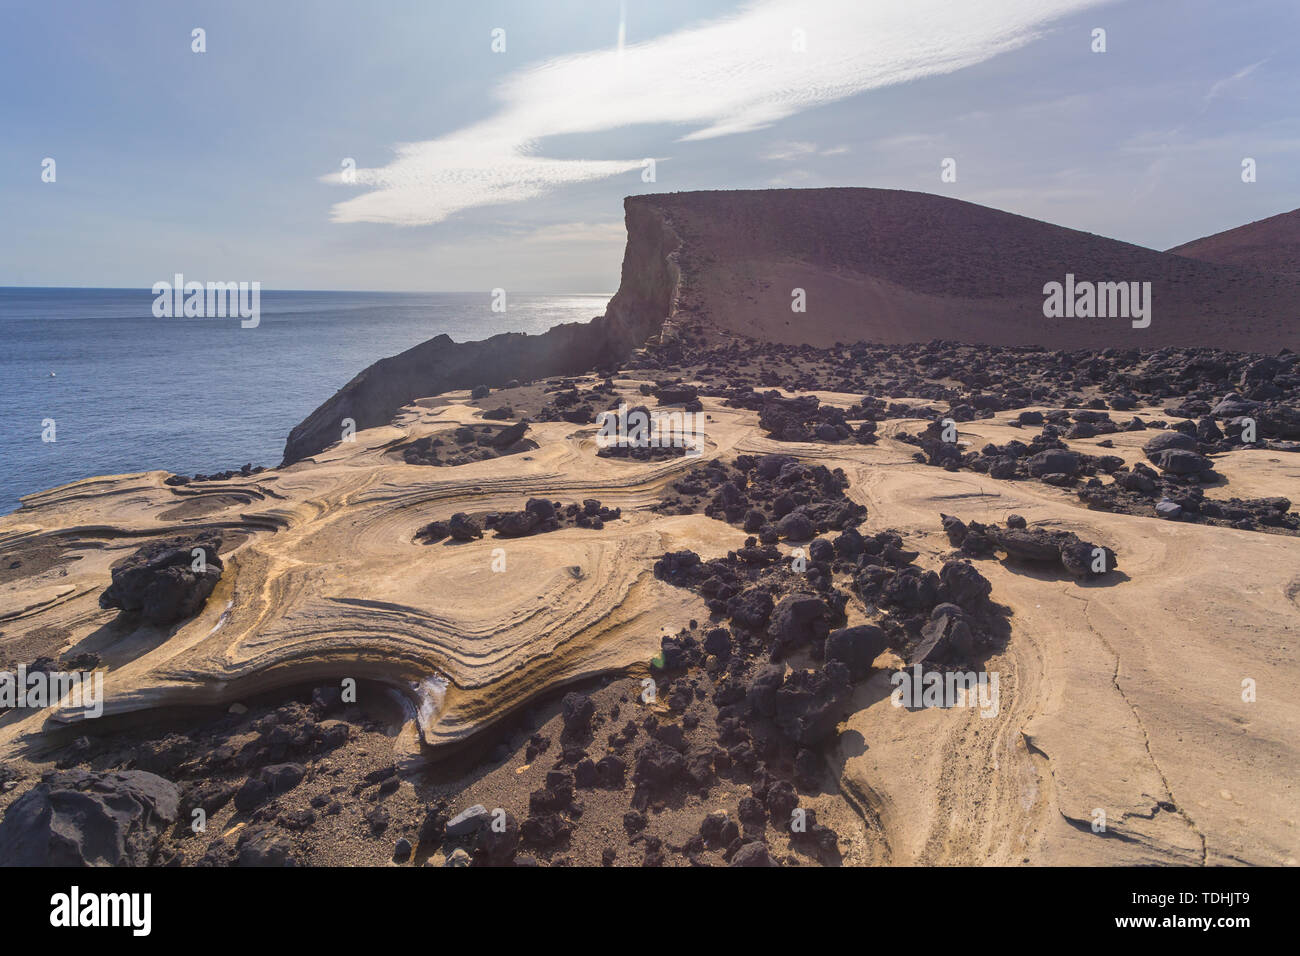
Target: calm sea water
{"x": 130, "y": 392}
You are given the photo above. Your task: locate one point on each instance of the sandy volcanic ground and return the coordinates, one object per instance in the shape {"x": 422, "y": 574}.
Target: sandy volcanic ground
{"x": 1122, "y": 696}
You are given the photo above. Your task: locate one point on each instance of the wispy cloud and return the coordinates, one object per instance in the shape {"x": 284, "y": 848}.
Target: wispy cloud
{"x": 735, "y": 74}
{"x": 789, "y": 152}
{"x": 1228, "y": 81}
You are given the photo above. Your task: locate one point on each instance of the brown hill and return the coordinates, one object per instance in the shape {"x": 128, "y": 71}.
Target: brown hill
{"x": 880, "y": 265}
{"x": 1267, "y": 245}
{"x": 897, "y": 266}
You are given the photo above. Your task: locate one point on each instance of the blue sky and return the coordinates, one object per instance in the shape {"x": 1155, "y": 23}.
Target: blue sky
{"x": 478, "y": 169}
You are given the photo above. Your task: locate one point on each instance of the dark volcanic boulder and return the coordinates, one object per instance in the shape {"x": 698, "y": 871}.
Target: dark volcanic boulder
{"x": 954, "y": 528}
{"x": 717, "y": 641}
{"x": 911, "y": 588}
{"x": 1166, "y": 440}
{"x": 1031, "y": 544}
{"x": 1054, "y": 461}
{"x": 966, "y": 587}
{"x": 544, "y": 509}
{"x": 1179, "y": 461}
{"x": 464, "y": 528}
{"x": 1141, "y": 479}
{"x": 808, "y": 769}
{"x": 658, "y": 765}
{"x": 264, "y": 846}
{"x": 166, "y": 581}
{"x": 798, "y": 619}
{"x": 544, "y": 830}
{"x": 283, "y": 777}
{"x": 81, "y": 818}
{"x": 753, "y": 854}
{"x": 1281, "y": 421}
{"x": 795, "y": 526}
{"x": 760, "y": 696}
{"x": 433, "y": 532}
{"x": 769, "y": 466}
{"x": 946, "y": 633}
{"x": 751, "y": 608}
{"x": 1233, "y": 405}
{"x": 577, "y": 710}
{"x": 1084, "y": 559}
{"x": 856, "y": 647}
{"x": 499, "y": 841}
{"x": 678, "y": 394}
{"x": 1169, "y": 510}
{"x": 252, "y": 794}
{"x": 1081, "y": 558}
{"x": 810, "y": 703}
{"x": 516, "y": 524}
{"x": 509, "y": 435}
{"x": 1002, "y": 468}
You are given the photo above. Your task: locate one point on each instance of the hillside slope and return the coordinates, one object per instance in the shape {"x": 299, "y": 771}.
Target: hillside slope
{"x": 894, "y": 266}
{"x": 1267, "y": 245}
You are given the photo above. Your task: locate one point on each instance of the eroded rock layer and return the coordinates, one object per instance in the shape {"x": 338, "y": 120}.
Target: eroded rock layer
{"x": 817, "y": 569}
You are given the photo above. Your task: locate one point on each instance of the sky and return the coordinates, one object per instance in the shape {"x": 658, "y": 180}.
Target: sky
{"x": 430, "y": 145}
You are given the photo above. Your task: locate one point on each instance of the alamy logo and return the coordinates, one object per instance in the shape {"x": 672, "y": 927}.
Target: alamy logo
{"x": 73, "y": 909}
{"x": 39, "y": 689}
{"x": 215, "y": 300}
{"x": 1098, "y": 300}
{"x": 919, "y": 688}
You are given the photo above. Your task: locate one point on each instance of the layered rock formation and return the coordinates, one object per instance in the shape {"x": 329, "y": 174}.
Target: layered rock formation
{"x": 1119, "y": 690}
{"x": 736, "y": 619}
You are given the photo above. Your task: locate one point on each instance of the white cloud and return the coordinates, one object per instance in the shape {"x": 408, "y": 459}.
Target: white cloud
{"x": 1229, "y": 81}
{"x": 735, "y": 74}
{"x": 790, "y": 151}
{"x": 786, "y": 152}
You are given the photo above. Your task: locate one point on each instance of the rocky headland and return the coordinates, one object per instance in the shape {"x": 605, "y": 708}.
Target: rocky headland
{"x": 471, "y": 633}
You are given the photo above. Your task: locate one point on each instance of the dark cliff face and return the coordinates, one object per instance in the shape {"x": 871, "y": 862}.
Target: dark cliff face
{"x": 894, "y": 266}
{"x": 645, "y": 298}
{"x": 877, "y": 265}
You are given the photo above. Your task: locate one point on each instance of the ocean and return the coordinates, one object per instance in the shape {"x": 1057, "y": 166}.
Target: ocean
{"x": 130, "y": 392}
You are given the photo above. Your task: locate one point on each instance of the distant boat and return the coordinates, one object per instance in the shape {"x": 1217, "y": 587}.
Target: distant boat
{"x": 51, "y": 375}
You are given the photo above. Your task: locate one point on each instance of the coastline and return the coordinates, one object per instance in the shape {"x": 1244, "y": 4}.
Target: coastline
{"x": 498, "y": 588}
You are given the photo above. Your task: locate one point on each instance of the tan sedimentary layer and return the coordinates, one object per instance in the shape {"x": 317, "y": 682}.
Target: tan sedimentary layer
{"x": 1123, "y": 696}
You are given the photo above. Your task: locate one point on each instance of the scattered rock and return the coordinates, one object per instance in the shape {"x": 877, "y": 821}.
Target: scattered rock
{"x": 166, "y": 581}
{"x": 83, "y": 818}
